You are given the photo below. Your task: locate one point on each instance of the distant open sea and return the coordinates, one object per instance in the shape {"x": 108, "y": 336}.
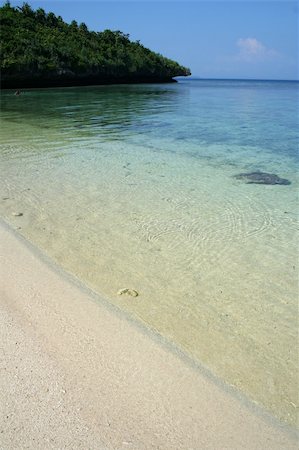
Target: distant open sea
{"x": 133, "y": 186}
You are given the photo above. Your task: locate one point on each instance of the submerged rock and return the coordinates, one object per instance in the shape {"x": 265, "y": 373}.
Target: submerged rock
{"x": 262, "y": 178}
{"x": 128, "y": 291}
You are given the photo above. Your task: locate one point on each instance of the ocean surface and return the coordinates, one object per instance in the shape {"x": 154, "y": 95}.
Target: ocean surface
{"x": 135, "y": 186}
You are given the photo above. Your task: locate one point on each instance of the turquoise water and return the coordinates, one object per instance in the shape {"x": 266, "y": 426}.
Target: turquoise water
{"x": 134, "y": 187}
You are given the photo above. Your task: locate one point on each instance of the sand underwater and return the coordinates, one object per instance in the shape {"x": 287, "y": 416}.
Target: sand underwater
{"x": 139, "y": 187}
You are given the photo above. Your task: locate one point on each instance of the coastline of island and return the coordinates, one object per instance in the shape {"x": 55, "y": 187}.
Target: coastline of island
{"x": 39, "y": 49}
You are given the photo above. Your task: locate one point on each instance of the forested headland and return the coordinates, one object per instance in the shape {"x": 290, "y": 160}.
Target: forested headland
{"x": 39, "y": 49}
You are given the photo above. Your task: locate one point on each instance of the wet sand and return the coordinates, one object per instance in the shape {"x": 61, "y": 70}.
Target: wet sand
{"x": 77, "y": 374}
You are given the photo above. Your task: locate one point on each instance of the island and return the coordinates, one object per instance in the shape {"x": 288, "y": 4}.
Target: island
{"x": 39, "y": 49}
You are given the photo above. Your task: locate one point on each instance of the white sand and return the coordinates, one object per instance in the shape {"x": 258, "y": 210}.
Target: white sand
{"x": 74, "y": 374}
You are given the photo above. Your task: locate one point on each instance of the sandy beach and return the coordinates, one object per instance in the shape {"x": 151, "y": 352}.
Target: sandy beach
{"x": 77, "y": 374}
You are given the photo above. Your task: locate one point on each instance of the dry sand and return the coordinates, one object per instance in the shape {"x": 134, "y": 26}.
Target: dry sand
{"x": 76, "y": 374}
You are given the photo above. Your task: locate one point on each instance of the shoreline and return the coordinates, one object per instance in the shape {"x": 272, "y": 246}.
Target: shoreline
{"x": 111, "y": 385}
{"x": 77, "y": 82}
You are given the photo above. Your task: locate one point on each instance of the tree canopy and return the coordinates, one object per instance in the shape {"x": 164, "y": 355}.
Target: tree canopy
{"x": 40, "y": 49}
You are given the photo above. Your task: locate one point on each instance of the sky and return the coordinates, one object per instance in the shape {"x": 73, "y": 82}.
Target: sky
{"x": 216, "y": 39}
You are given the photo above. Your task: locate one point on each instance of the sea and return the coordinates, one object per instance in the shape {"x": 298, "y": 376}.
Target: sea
{"x": 136, "y": 189}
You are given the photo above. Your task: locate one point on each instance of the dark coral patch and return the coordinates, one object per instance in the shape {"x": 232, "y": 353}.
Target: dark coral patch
{"x": 262, "y": 178}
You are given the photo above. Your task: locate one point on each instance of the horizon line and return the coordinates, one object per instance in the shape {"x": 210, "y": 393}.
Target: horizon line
{"x": 196, "y": 77}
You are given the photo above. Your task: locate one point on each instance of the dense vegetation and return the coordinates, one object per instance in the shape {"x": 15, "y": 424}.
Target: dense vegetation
{"x": 40, "y": 49}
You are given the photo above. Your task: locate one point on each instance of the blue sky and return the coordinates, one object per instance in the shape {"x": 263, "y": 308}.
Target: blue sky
{"x": 216, "y": 39}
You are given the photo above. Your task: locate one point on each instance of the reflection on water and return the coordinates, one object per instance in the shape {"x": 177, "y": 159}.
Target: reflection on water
{"x": 109, "y": 112}
{"x": 134, "y": 186}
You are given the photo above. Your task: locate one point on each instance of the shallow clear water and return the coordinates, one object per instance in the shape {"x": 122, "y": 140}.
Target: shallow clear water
{"x": 133, "y": 186}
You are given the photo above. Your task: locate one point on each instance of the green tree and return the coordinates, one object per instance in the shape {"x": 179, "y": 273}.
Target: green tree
{"x": 41, "y": 48}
